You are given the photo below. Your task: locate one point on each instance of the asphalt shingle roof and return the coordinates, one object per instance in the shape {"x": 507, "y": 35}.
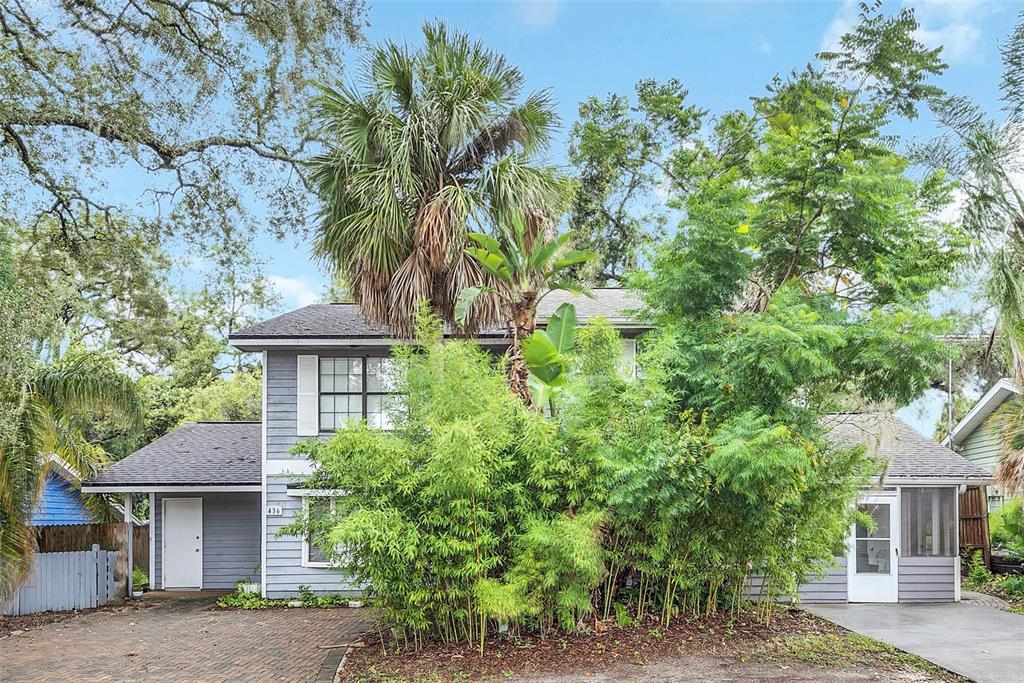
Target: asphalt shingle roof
{"x": 326, "y": 321}
{"x": 910, "y": 454}
{"x": 194, "y": 454}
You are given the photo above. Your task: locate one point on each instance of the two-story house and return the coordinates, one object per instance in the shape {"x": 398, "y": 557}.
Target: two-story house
{"x": 221, "y": 492}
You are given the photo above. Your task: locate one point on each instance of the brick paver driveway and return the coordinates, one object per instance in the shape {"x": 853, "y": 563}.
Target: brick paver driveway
{"x": 184, "y": 639}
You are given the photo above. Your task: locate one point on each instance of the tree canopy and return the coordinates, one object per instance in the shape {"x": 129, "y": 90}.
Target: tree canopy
{"x": 197, "y": 99}
{"x": 801, "y": 271}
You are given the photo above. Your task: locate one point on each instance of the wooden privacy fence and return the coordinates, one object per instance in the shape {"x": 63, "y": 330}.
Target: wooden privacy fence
{"x": 110, "y": 536}
{"x": 974, "y": 524}
{"x": 66, "y": 581}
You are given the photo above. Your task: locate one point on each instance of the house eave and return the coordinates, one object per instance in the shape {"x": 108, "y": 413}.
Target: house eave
{"x": 985, "y": 406}
{"x": 169, "y": 488}
{"x": 255, "y": 343}
{"x": 935, "y": 481}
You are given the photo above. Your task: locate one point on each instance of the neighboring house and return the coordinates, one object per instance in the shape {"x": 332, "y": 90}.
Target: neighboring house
{"x": 60, "y": 501}
{"x": 976, "y": 437}
{"x": 220, "y": 492}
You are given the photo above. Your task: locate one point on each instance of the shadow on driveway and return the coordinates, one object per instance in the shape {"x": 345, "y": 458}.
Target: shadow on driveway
{"x": 979, "y": 643}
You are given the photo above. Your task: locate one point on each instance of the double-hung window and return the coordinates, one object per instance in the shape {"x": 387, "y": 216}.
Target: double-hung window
{"x": 315, "y": 507}
{"x": 357, "y": 388}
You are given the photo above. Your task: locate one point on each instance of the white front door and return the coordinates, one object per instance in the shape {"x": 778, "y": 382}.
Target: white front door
{"x": 872, "y": 561}
{"x": 183, "y": 543}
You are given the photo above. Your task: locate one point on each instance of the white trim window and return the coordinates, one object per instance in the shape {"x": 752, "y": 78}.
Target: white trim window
{"x": 357, "y": 388}
{"x": 320, "y": 502}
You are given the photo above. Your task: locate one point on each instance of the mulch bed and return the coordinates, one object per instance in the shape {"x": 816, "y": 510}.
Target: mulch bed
{"x": 12, "y": 626}
{"x": 722, "y": 635}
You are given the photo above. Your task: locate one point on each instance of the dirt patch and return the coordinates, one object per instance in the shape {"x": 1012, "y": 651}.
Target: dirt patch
{"x": 796, "y": 646}
{"x": 12, "y": 626}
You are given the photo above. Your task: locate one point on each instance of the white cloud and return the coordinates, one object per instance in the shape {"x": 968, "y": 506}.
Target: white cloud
{"x": 538, "y": 13}
{"x": 952, "y": 10}
{"x": 295, "y": 292}
{"x": 952, "y": 24}
{"x": 842, "y": 23}
{"x": 959, "y": 41}
{"x": 763, "y": 46}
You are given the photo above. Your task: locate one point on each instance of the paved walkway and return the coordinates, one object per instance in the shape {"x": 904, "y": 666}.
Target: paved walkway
{"x": 984, "y": 600}
{"x": 979, "y": 643}
{"x": 184, "y": 639}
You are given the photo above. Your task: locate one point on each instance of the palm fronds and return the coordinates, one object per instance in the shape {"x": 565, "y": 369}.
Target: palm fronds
{"x": 431, "y": 140}
{"x": 1009, "y": 420}
{"x": 49, "y": 424}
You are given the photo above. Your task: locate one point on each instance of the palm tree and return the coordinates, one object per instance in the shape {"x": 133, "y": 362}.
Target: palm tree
{"x": 526, "y": 266}
{"x": 50, "y": 408}
{"x": 432, "y": 141}
{"x": 987, "y": 157}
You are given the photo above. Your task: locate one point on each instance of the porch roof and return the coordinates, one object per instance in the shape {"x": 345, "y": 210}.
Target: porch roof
{"x": 197, "y": 454}
{"x": 911, "y": 456}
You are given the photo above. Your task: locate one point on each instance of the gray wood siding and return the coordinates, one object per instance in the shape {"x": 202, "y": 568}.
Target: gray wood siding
{"x": 231, "y": 537}
{"x": 282, "y": 371}
{"x": 284, "y": 572}
{"x": 928, "y": 579}
{"x": 829, "y": 588}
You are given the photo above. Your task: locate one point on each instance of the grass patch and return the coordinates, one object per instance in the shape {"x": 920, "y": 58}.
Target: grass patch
{"x": 847, "y": 649}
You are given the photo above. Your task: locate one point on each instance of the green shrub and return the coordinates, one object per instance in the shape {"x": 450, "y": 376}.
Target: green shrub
{"x": 1006, "y": 527}
{"x": 245, "y": 600}
{"x": 1012, "y": 586}
{"x": 978, "y": 576}
{"x": 139, "y": 578}
{"x": 471, "y": 512}
{"x": 475, "y": 512}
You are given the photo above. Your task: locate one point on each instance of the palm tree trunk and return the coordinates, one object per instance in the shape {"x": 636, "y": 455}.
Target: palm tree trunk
{"x": 522, "y": 325}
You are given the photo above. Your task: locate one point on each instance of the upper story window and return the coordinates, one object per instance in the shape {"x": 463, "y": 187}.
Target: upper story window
{"x": 357, "y": 388}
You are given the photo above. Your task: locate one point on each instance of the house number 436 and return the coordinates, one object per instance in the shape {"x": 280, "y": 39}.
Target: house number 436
{"x": 274, "y": 511}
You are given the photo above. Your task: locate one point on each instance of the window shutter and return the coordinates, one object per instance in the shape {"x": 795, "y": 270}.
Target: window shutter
{"x": 629, "y": 358}
{"x": 308, "y": 396}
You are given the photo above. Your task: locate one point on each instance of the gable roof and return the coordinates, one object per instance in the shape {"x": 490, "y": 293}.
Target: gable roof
{"x": 60, "y": 502}
{"x": 911, "y": 456}
{"x": 986, "y": 405}
{"x": 194, "y": 454}
{"x": 334, "y": 322}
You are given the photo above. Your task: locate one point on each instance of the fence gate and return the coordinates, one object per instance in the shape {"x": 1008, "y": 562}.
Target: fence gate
{"x": 67, "y": 581}
{"x": 974, "y": 524}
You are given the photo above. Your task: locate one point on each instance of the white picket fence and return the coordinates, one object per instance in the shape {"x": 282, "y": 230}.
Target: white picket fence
{"x": 67, "y": 581}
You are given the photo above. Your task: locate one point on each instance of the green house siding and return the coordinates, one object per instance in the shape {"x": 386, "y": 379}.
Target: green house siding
{"x": 983, "y": 448}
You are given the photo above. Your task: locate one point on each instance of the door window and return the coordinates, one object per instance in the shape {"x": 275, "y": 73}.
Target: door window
{"x": 873, "y": 544}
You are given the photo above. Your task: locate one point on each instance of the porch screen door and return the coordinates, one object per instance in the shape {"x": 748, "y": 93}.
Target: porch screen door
{"x": 873, "y": 557}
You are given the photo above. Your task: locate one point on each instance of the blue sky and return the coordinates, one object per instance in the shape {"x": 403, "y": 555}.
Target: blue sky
{"x": 723, "y": 52}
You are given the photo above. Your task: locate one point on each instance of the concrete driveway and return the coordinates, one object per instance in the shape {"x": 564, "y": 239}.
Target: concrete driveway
{"x": 979, "y": 643}
{"x": 184, "y": 638}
